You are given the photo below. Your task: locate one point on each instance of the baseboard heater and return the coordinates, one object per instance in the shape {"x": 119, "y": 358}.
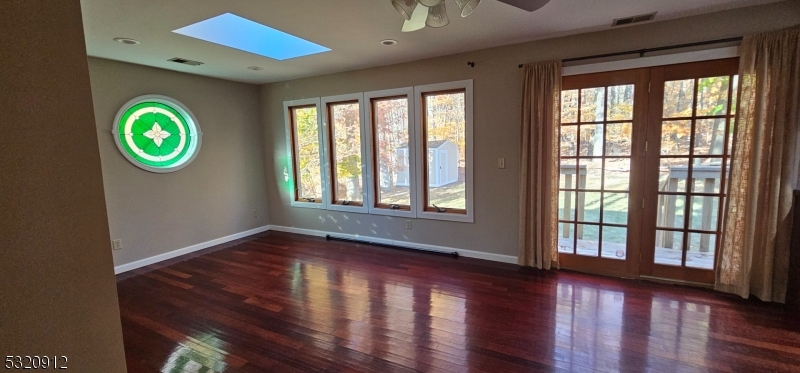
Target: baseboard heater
{"x": 454, "y": 254}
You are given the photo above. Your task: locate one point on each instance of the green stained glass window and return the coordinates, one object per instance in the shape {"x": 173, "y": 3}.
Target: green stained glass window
{"x": 157, "y": 133}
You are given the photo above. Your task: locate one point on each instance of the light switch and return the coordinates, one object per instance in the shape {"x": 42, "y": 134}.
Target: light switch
{"x": 501, "y": 163}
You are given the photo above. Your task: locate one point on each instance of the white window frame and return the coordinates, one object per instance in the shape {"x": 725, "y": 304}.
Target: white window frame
{"x": 287, "y": 105}
{"x": 412, "y": 175}
{"x": 469, "y": 217}
{"x": 328, "y": 153}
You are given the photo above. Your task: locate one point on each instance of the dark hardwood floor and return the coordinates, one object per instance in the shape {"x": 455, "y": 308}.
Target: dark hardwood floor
{"x": 289, "y": 303}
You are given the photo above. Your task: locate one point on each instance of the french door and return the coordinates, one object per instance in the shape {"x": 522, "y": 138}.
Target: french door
{"x": 645, "y": 156}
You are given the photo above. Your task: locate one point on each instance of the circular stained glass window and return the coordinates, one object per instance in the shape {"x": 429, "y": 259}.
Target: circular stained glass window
{"x": 157, "y": 133}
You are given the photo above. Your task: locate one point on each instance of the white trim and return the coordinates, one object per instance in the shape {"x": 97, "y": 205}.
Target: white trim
{"x": 188, "y": 116}
{"x": 418, "y": 91}
{"x": 186, "y": 250}
{"x": 667, "y": 59}
{"x": 290, "y": 145}
{"x": 368, "y": 96}
{"x": 461, "y": 252}
{"x": 325, "y": 101}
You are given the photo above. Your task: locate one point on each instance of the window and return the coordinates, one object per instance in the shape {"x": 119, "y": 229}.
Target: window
{"x": 303, "y": 130}
{"x": 345, "y": 150}
{"x": 370, "y": 159}
{"x": 445, "y": 151}
{"x": 391, "y": 141}
{"x": 157, "y": 133}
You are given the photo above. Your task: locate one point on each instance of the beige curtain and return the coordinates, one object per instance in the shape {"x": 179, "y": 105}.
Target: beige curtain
{"x": 538, "y": 214}
{"x": 754, "y": 256}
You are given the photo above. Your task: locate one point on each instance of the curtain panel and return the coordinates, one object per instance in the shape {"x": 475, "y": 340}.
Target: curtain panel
{"x": 754, "y": 256}
{"x": 539, "y": 165}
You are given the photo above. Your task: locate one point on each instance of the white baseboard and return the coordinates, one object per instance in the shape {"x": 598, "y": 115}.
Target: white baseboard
{"x": 461, "y": 252}
{"x": 186, "y": 250}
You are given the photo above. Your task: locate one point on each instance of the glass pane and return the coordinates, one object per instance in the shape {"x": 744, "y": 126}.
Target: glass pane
{"x": 676, "y": 137}
{"x": 307, "y": 166}
{"x": 709, "y": 136}
{"x": 588, "y": 206}
{"x": 618, "y": 138}
{"x": 615, "y": 242}
{"x": 588, "y": 239}
{"x": 669, "y": 248}
{"x": 592, "y": 104}
{"x": 566, "y": 205}
{"x": 566, "y": 238}
{"x": 702, "y": 248}
{"x": 617, "y": 174}
{"x": 671, "y": 210}
{"x": 592, "y": 172}
{"x": 569, "y": 141}
{"x": 346, "y": 135}
{"x": 673, "y": 173}
{"x": 390, "y": 128}
{"x": 567, "y": 178}
{"x": 678, "y": 98}
{"x": 569, "y": 106}
{"x": 615, "y": 208}
{"x": 735, "y": 93}
{"x": 591, "y": 140}
{"x": 712, "y": 96}
{"x": 445, "y": 125}
{"x": 620, "y": 102}
{"x": 706, "y": 175}
{"x": 704, "y": 213}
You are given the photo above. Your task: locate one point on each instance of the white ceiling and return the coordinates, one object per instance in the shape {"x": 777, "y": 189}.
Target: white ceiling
{"x": 351, "y": 28}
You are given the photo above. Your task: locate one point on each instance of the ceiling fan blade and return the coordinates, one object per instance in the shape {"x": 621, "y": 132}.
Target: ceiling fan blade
{"x": 529, "y": 5}
{"x": 417, "y": 21}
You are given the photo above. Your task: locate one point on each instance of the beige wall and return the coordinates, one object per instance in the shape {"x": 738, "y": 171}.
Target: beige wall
{"x": 497, "y": 95}
{"x": 57, "y": 290}
{"x": 212, "y": 197}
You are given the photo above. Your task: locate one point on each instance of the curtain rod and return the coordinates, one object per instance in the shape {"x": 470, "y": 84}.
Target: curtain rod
{"x": 641, "y": 52}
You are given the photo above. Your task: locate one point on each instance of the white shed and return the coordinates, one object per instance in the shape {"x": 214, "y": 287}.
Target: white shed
{"x": 443, "y": 161}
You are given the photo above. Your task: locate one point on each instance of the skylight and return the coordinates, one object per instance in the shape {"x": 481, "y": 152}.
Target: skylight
{"x": 240, "y": 33}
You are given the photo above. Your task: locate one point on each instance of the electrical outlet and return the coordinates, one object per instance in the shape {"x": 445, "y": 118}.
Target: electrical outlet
{"x": 116, "y": 244}
{"x": 408, "y": 224}
{"x": 501, "y": 163}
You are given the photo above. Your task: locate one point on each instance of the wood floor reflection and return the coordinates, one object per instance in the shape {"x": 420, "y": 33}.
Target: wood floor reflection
{"x": 291, "y": 303}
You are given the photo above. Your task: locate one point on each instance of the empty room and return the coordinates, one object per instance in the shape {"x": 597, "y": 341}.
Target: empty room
{"x": 242, "y": 186}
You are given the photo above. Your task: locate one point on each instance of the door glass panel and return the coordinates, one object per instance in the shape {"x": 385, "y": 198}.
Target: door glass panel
{"x": 566, "y": 205}
{"x": 569, "y": 176}
{"x": 569, "y": 141}
{"x": 620, "y": 102}
{"x": 589, "y": 206}
{"x": 701, "y": 250}
{"x": 676, "y": 137}
{"x": 593, "y": 168}
{"x": 673, "y": 174}
{"x": 566, "y": 238}
{"x": 704, "y": 213}
{"x": 618, "y": 139}
{"x": 615, "y": 242}
{"x": 588, "y": 239}
{"x": 707, "y": 175}
{"x": 669, "y": 248}
{"x": 591, "y": 140}
{"x": 617, "y": 173}
{"x": 592, "y": 104}
{"x": 615, "y": 208}
{"x": 671, "y": 210}
{"x": 569, "y": 106}
{"x": 709, "y": 136}
{"x": 712, "y": 96}
{"x": 678, "y": 98}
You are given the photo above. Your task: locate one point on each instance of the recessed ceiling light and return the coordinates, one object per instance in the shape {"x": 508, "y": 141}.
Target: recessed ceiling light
{"x": 389, "y": 42}
{"x": 240, "y": 33}
{"x": 128, "y": 41}
{"x": 255, "y": 68}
